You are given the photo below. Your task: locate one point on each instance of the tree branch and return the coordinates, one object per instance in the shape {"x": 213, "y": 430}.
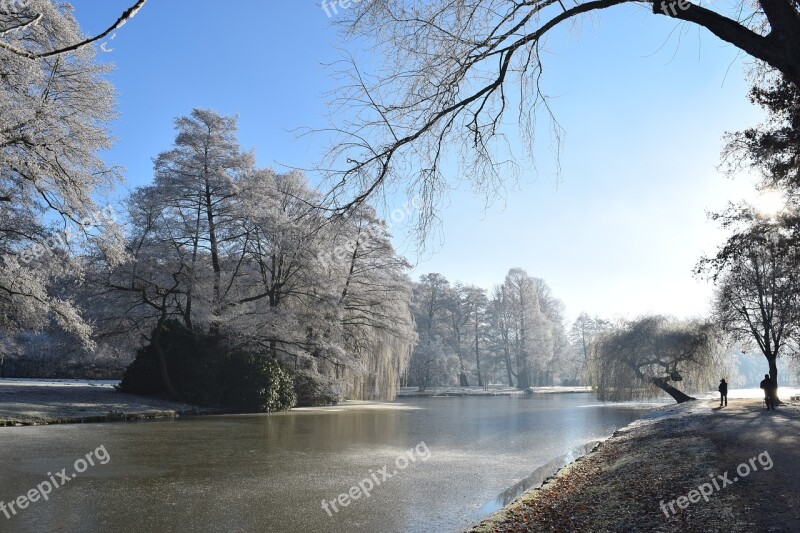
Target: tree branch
{"x": 121, "y": 21}
{"x": 779, "y": 49}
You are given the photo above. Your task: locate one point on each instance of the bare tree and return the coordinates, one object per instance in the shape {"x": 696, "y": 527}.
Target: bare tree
{"x": 479, "y": 328}
{"x": 448, "y": 74}
{"x": 502, "y": 327}
{"x": 582, "y": 335}
{"x": 758, "y": 285}
{"x": 459, "y": 308}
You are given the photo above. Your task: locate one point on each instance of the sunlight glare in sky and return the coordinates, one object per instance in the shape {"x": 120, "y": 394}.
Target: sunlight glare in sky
{"x": 770, "y": 202}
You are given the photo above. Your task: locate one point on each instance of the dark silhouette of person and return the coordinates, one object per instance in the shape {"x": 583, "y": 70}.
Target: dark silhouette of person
{"x": 770, "y": 391}
{"x": 723, "y": 392}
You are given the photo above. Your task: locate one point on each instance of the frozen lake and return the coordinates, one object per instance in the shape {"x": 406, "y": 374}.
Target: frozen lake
{"x": 272, "y": 472}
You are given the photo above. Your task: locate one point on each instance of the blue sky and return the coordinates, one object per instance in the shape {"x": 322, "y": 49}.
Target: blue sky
{"x": 644, "y": 103}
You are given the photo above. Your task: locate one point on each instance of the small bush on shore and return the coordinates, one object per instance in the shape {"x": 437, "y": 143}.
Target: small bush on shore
{"x": 256, "y": 383}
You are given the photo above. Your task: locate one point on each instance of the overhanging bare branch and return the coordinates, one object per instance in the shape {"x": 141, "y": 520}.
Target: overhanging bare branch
{"x": 121, "y": 21}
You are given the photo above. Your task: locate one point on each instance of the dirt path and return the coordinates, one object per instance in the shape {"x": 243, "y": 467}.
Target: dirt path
{"x": 768, "y": 499}
{"x": 651, "y": 475}
{"x": 40, "y": 402}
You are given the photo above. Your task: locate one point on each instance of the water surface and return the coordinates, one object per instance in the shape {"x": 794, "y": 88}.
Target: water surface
{"x": 272, "y": 472}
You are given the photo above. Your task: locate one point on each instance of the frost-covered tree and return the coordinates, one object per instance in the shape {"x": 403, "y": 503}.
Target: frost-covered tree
{"x": 18, "y": 15}
{"x": 519, "y": 333}
{"x": 278, "y": 242}
{"x": 242, "y": 253}
{"x": 582, "y": 335}
{"x": 197, "y": 180}
{"x": 54, "y": 111}
{"x": 374, "y": 305}
{"x": 502, "y": 321}
{"x": 644, "y": 357}
{"x": 459, "y": 309}
{"x": 429, "y": 362}
{"x": 531, "y": 330}
{"x": 553, "y": 310}
{"x": 479, "y": 332}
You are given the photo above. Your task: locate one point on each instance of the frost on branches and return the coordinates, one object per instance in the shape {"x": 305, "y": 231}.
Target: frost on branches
{"x": 243, "y": 254}
{"x": 53, "y": 116}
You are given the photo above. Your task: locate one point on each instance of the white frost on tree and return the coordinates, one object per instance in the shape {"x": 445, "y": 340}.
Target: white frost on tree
{"x": 53, "y": 122}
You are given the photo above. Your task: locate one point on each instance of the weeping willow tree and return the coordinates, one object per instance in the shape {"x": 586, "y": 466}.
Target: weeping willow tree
{"x": 373, "y": 294}
{"x": 384, "y": 365}
{"x": 653, "y": 355}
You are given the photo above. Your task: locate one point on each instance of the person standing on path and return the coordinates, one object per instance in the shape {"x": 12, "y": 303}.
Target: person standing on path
{"x": 770, "y": 391}
{"x": 723, "y": 392}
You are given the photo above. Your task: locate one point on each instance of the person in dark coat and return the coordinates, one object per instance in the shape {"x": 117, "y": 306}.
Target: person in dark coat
{"x": 770, "y": 391}
{"x": 723, "y": 392}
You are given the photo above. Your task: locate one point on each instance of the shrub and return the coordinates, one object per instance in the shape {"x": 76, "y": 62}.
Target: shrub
{"x": 256, "y": 384}
{"x": 209, "y": 376}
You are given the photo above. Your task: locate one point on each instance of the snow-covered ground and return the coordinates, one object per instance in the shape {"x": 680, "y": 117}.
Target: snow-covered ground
{"x": 48, "y": 401}
{"x": 783, "y": 392}
{"x": 58, "y": 382}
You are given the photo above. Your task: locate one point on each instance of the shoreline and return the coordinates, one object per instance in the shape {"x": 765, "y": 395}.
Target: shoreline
{"x": 629, "y": 480}
{"x": 40, "y": 402}
{"x": 437, "y": 392}
{"x": 51, "y": 402}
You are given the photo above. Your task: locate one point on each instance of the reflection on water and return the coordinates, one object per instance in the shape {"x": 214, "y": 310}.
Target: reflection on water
{"x": 272, "y": 472}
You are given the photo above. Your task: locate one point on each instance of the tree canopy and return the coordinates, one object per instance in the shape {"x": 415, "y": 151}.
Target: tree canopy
{"x": 54, "y": 114}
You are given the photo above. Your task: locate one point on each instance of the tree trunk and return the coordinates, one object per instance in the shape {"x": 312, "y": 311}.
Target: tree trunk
{"x": 162, "y": 361}
{"x": 508, "y": 363}
{"x": 773, "y": 374}
{"x": 523, "y": 378}
{"x": 462, "y": 375}
{"x": 477, "y": 350}
{"x": 773, "y": 368}
{"x": 677, "y": 395}
{"x": 215, "y": 263}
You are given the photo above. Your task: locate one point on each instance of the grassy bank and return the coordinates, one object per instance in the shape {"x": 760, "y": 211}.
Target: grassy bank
{"x": 667, "y": 455}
